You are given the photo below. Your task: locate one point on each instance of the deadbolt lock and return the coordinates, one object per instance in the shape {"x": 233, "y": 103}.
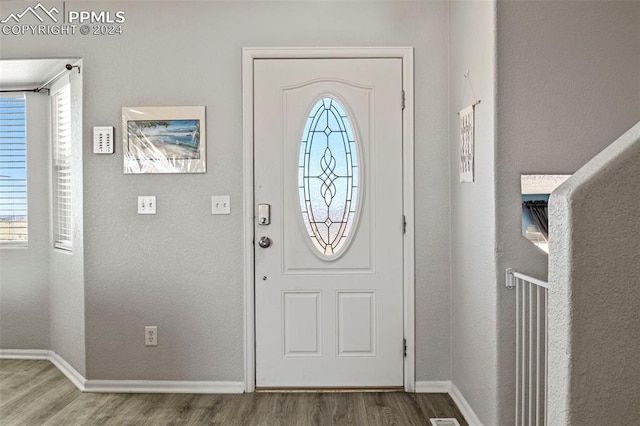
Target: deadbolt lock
{"x": 264, "y": 214}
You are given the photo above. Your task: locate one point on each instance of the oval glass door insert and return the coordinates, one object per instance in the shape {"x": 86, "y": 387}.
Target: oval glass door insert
{"x": 328, "y": 177}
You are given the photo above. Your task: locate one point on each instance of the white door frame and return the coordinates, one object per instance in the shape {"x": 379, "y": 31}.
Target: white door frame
{"x": 249, "y": 54}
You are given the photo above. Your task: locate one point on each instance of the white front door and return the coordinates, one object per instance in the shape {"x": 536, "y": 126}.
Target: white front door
{"x": 329, "y": 259}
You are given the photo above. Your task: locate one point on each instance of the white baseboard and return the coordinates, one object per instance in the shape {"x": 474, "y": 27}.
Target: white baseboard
{"x": 162, "y": 386}
{"x": 466, "y": 410}
{"x": 122, "y": 386}
{"x": 453, "y": 391}
{"x": 433, "y": 387}
{"x": 66, "y": 369}
{"x": 25, "y": 354}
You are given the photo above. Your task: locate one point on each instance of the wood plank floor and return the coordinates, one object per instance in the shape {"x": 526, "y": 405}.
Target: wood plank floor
{"x": 34, "y": 392}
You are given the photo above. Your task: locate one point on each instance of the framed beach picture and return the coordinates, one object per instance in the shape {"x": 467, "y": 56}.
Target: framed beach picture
{"x": 164, "y": 139}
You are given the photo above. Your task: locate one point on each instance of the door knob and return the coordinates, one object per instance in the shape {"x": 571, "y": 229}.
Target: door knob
{"x": 264, "y": 242}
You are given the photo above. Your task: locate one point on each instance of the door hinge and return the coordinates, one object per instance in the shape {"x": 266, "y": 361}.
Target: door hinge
{"x": 404, "y": 347}
{"x": 404, "y": 224}
{"x": 403, "y": 100}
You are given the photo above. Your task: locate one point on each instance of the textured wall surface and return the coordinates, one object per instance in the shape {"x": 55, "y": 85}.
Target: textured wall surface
{"x": 568, "y": 85}
{"x": 594, "y": 274}
{"x": 66, "y": 278}
{"x": 473, "y": 253}
{"x": 24, "y": 272}
{"x": 182, "y": 268}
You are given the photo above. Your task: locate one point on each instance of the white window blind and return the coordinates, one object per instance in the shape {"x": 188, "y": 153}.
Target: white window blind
{"x": 61, "y": 107}
{"x": 13, "y": 170}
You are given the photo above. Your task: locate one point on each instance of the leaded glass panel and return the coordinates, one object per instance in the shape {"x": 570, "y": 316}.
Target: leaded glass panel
{"x": 328, "y": 176}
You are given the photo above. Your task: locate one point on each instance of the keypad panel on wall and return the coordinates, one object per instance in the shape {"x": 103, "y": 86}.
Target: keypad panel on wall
{"x": 103, "y": 140}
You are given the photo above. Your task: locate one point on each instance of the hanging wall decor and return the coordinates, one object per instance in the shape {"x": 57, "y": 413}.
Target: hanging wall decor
{"x": 164, "y": 139}
{"x": 467, "y": 136}
{"x": 466, "y": 143}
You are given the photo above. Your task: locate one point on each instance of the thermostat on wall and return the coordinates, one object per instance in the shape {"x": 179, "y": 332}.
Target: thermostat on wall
{"x": 103, "y": 140}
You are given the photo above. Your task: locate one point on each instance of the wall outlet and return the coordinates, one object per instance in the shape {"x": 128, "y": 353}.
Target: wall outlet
{"x": 151, "y": 335}
{"x": 146, "y": 204}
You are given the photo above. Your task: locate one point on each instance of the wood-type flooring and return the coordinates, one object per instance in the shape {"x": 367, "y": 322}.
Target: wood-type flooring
{"x": 35, "y": 392}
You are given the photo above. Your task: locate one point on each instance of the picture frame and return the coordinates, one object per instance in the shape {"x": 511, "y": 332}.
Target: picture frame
{"x": 164, "y": 139}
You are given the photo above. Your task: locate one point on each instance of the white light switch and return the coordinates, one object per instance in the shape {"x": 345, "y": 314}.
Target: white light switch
{"x": 220, "y": 204}
{"x": 147, "y": 204}
{"x": 103, "y": 140}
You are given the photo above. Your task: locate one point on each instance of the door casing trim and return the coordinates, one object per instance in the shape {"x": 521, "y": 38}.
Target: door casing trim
{"x": 249, "y": 54}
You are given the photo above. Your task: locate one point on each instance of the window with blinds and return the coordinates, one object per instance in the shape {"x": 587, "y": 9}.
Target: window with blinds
{"x": 61, "y": 155}
{"x": 13, "y": 170}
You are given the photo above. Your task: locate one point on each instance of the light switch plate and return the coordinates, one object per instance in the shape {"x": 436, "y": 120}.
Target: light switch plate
{"x": 103, "y": 140}
{"x": 147, "y": 204}
{"x": 220, "y": 204}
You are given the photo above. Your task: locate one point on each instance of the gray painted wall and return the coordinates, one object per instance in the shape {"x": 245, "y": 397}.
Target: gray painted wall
{"x": 594, "y": 273}
{"x": 24, "y": 272}
{"x": 182, "y": 269}
{"x": 568, "y": 85}
{"x": 66, "y": 295}
{"x": 473, "y": 229}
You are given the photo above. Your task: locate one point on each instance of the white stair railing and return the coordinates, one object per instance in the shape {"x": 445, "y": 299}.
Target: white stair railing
{"x": 531, "y": 348}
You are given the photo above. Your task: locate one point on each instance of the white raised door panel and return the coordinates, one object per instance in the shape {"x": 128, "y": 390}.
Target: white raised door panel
{"x": 356, "y": 323}
{"x": 301, "y": 322}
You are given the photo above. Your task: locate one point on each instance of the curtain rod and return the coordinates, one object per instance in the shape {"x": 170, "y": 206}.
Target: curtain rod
{"x": 18, "y": 90}
{"x": 42, "y": 87}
